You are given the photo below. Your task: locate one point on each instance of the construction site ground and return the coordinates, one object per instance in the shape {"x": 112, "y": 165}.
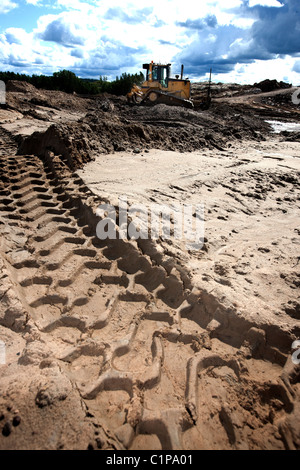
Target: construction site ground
{"x": 149, "y": 343}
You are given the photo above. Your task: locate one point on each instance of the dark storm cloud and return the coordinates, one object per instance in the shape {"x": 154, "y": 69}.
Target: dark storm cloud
{"x": 60, "y": 32}
{"x": 274, "y": 33}
{"x": 138, "y": 17}
{"x": 276, "y": 29}
{"x": 214, "y": 51}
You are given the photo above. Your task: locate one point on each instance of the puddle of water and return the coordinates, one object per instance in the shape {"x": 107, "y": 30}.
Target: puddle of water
{"x": 279, "y": 126}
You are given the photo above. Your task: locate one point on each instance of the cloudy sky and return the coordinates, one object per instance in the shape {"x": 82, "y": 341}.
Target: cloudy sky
{"x": 241, "y": 40}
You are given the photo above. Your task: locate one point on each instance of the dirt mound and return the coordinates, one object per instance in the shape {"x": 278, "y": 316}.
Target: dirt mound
{"x": 113, "y": 127}
{"x": 64, "y": 140}
{"x": 221, "y": 90}
{"x": 271, "y": 85}
{"x": 291, "y": 136}
{"x": 85, "y": 127}
{"x": 25, "y": 98}
{"x": 20, "y": 87}
{"x": 67, "y": 101}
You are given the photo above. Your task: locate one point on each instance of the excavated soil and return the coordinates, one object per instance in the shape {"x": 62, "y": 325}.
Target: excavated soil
{"x": 141, "y": 344}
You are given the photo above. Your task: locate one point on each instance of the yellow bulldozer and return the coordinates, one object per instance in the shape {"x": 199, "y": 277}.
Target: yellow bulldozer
{"x": 159, "y": 87}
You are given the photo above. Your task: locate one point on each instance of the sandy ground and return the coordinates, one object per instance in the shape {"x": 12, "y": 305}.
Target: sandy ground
{"x": 148, "y": 344}
{"x": 251, "y": 224}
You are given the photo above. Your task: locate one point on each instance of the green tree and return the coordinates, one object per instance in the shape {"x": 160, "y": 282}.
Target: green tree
{"x": 66, "y": 81}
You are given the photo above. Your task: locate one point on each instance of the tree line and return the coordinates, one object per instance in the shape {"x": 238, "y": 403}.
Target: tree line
{"x": 67, "y": 81}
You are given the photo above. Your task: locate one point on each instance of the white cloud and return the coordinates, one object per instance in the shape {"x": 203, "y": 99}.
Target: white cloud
{"x": 16, "y": 36}
{"x": 243, "y": 22}
{"x": 77, "y": 5}
{"x": 265, "y": 3}
{"x": 93, "y": 37}
{"x": 6, "y": 6}
{"x": 33, "y": 2}
{"x": 279, "y": 69}
{"x": 70, "y": 28}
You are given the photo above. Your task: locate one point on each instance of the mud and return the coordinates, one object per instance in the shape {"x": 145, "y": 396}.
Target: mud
{"x": 92, "y": 327}
{"x": 107, "y": 124}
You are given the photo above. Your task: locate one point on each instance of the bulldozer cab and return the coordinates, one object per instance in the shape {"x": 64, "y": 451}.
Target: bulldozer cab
{"x": 157, "y": 73}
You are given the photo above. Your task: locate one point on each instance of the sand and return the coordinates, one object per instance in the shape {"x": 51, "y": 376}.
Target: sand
{"x": 148, "y": 344}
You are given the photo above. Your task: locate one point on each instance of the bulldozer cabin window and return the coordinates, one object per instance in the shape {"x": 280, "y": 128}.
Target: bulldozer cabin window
{"x": 160, "y": 74}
